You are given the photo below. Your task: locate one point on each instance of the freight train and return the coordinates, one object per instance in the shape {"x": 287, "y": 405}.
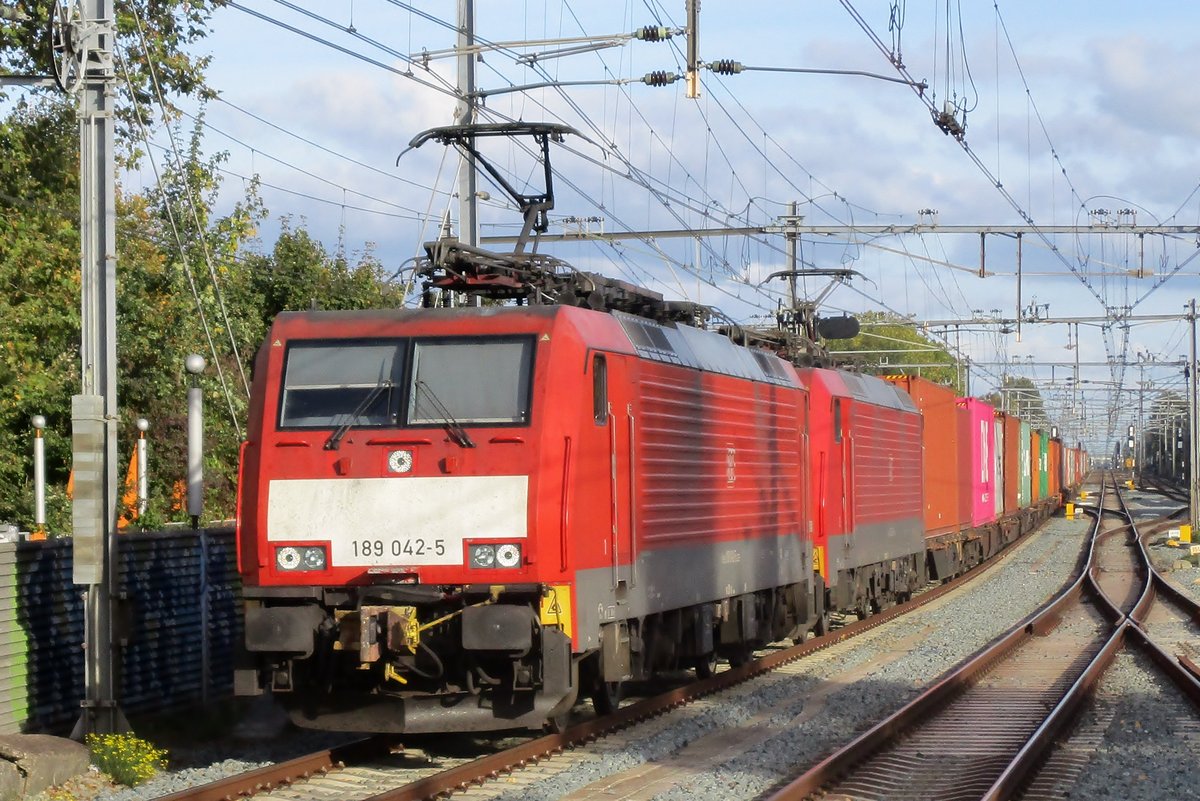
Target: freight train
{"x": 466, "y": 518}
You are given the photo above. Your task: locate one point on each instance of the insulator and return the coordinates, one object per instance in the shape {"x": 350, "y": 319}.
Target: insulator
{"x": 726, "y": 66}
{"x": 651, "y": 33}
{"x": 659, "y": 78}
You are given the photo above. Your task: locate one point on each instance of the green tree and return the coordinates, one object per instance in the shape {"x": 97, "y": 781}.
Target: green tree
{"x": 1020, "y": 396}
{"x": 882, "y": 331}
{"x": 149, "y": 32}
{"x": 39, "y": 301}
{"x": 300, "y": 274}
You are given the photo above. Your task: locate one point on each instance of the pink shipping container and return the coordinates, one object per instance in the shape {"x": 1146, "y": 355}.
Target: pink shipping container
{"x": 980, "y": 473}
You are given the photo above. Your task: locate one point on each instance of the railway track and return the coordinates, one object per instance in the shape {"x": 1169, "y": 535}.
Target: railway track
{"x": 379, "y": 769}
{"x": 984, "y": 731}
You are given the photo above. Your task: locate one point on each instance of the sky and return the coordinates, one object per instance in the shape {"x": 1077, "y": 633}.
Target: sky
{"x": 1075, "y": 113}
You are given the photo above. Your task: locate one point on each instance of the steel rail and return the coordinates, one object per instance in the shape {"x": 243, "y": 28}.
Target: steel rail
{"x": 281, "y": 774}
{"x": 546, "y": 746}
{"x": 1024, "y": 764}
{"x": 1032, "y": 753}
{"x": 952, "y": 685}
{"x": 1131, "y": 626}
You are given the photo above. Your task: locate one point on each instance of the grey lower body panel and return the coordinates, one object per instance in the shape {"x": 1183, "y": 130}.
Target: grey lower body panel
{"x": 678, "y": 576}
{"x": 875, "y": 543}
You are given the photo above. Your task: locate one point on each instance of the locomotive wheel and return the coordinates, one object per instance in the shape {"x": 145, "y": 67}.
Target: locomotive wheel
{"x": 705, "y": 666}
{"x": 606, "y": 696}
{"x": 557, "y": 724}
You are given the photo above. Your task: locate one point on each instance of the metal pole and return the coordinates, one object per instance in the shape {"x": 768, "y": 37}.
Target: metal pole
{"x": 1140, "y": 448}
{"x": 39, "y": 476}
{"x": 195, "y": 365}
{"x": 143, "y": 473}
{"x": 94, "y": 410}
{"x": 693, "y": 48}
{"x": 958, "y": 356}
{"x": 1018, "y": 315}
{"x": 1193, "y": 440}
{"x": 468, "y": 223}
{"x": 790, "y": 257}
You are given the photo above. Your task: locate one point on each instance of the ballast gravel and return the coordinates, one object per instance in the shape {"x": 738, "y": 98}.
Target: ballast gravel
{"x": 1151, "y": 734}
{"x": 264, "y": 739}
{"x": 950, "y": 629}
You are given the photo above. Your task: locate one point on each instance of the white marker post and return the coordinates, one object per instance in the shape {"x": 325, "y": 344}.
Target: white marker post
{"x": 195, "y": 365}
{"x": 39, "y": 476}
{"x": 143, "y": 425}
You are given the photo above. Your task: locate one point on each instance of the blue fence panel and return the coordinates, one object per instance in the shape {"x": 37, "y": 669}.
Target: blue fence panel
{"x": 178, "y": 621}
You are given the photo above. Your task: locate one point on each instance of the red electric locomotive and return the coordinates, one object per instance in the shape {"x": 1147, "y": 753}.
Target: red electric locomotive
{"x": 454, "y": 519}
{"x": 866, "y": 481}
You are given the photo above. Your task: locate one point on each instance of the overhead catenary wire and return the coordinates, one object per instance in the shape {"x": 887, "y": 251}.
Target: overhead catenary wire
{"x": 212, "y": 348}
{"x": 282, "y": 129}
{"x": 353, "y": 54}
{"x": 724, "y": 255}
{"x": 193, "y": 205}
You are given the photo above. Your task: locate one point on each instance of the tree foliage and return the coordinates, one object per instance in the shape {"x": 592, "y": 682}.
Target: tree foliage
{"x": 905, "y": 345}
{"x": 181, "y": 289}
{"x": 1020, "y": 396}
{"x": 153, "y": 37}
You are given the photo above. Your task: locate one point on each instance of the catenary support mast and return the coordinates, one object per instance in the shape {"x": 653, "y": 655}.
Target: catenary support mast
{"x": 94, "y": 410}
{"x": 468, "y": 222}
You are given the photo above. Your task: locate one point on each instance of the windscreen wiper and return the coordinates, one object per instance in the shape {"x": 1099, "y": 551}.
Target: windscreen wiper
{"x": 335, "y": 439}
{"x": 453, "y": 427}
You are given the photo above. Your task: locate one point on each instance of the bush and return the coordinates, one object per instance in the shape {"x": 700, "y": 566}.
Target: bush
{"x": 127, "y": 759}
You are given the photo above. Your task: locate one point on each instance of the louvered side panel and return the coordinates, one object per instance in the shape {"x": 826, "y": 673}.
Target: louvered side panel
{"x": 887, "y": 464}
{"x": 717, "y": 457}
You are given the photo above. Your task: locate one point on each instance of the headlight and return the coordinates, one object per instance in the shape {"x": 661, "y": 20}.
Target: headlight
{"x": 505, "y": 554}
{"x": 483, "y": 556}
{"x": 300, "y": 558}
{"x": 287, "y": 558}
{"x": 508, "y": 554}
{"x": 314, "y": 558}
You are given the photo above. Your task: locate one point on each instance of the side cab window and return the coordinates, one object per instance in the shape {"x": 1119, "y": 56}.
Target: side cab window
{"x": 837, "y": 419}
{"x": 600, "y": 389}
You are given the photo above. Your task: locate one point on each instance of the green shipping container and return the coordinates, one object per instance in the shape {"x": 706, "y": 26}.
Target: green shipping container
{"x": 1026, "y": 467}
{"x": 1043, "y": 465}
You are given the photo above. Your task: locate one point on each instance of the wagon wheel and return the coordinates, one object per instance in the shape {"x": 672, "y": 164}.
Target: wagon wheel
{"x": 705, "y": 665}
{"x": 741, "y": 654}
{"x": 68, "y": 52}
{"x": 820, "y": 628}
{"x": 606, "y": 696}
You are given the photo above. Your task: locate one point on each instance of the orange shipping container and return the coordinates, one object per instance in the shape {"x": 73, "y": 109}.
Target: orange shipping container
{"x": 1012, "y": 460}
{"x": 1056, "y": 468}
{"x": 946, "y": 502}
